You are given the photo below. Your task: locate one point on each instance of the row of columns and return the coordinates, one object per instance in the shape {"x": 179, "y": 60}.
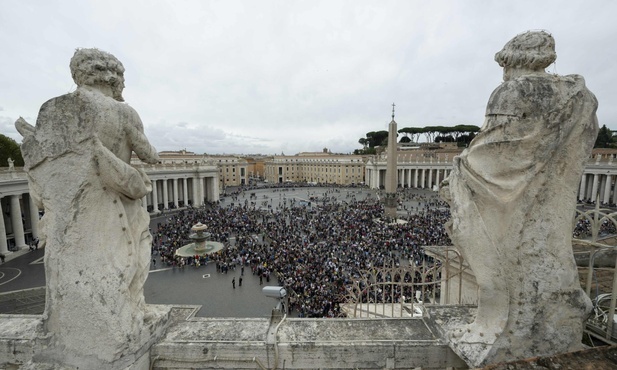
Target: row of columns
{"x": 409, "y": 177}
{"x": 421, "y": 175}
{"x": 202, "y": 188}
{"x": 592, "y": 186}
{"x": 16, "y": 219}
{"x": 600, "y": 187}
{"x": 19, "y": 216}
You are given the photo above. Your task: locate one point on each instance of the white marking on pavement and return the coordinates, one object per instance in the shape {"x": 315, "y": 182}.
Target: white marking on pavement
{"x": 205, "y": 276}
{"x": 8, "y": 281}
{"x": 37, "y": 261}
{"x": 159, "y": 270}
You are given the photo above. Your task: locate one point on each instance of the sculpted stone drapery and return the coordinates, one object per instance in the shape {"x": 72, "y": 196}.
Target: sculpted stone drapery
{"x": 512, "y": 195}
{"x": 95, "y": 230}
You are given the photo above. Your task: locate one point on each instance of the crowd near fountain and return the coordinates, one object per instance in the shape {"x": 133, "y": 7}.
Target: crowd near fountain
{"x": 314, "y": 251}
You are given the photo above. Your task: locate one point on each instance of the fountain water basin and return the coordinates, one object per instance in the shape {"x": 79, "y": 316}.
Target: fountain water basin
{"x": 201, "y": 246}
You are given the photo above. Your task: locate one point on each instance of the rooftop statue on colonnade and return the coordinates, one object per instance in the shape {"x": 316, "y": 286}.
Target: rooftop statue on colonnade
{"x": 95, "y": 230}
{"x": 512, "y": 195}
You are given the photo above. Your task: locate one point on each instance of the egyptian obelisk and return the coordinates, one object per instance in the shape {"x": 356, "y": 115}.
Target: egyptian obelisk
{"x": 391, "y": 171}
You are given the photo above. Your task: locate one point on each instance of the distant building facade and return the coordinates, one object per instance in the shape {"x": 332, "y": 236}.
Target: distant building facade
{"x": 233, "y": 170}
{"x": 256, "y": 166}
{"x": 316, "y": 167}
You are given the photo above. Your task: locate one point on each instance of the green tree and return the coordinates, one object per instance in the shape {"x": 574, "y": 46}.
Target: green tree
{"x": 10, "y": 149}
{"x": 460, "y": 130}
{"x": 414, "y": 132}
{"x": 366, "y": 151}
{"x": 377, "y": 138}
{"x": 430, "y": 132}
{"x": 364, "y": 142}
{"x": 605, "y": 138}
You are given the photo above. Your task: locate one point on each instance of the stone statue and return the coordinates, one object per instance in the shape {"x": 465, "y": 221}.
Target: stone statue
{"x": 512, "y": 195}
{"x": 11, "y": 163}
{"x": 95, "y": 230}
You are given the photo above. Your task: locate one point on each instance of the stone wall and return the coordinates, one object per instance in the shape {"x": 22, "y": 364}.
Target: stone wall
{"x": 261, "y": 343}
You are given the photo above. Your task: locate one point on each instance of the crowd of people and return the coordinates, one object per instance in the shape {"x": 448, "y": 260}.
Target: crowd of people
{"x": 315, "y": 251}
{"x": 583, "y": 228}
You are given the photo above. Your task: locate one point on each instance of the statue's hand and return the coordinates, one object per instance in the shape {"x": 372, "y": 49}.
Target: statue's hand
{"x": 23, "y": 127}
{"x": 117, "y": 174}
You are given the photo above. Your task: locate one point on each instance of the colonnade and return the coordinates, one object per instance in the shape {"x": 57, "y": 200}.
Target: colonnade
{"x": 599, "y": 186}
{"x": 412, "y": 177}
{"x": 174, "y": 187}
{"x": 597, "y": 183}
{"x": 20, "y": 219}
{"x": 170, "y": 191}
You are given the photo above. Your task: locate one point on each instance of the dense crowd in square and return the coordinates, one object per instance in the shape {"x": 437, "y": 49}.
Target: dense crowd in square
{"x": 315, "y": 249}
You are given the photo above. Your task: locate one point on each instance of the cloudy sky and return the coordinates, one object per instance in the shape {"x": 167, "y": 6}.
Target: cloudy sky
{"x": 290, "y": 76}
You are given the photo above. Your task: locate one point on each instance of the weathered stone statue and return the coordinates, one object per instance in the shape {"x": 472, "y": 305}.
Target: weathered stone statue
{"x": 95, "y": 230}
{"x": 11, "y": 163}
{"x": 512, "y": 195}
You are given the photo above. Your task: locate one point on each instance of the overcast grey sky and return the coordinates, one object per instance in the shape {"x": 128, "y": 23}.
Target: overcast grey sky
{"x": 291, "y": 76}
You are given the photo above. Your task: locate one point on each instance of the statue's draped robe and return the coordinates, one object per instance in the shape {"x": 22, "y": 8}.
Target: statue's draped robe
{"x": 95, "y": 230}
{"x": 513, "y": 197}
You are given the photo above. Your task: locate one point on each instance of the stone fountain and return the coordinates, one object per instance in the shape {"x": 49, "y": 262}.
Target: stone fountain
{"x": 201, "y": 246}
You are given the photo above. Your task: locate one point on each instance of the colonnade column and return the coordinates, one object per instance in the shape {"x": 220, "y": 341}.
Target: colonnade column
{"x": 16, "y": 222}
{"x": 144, "y": 202}
{"x": 437, "y": 178}
{"x": 202, "y": 193}
{"x": 210, "y": 189}
{"x": 155, "y": 196}
{"x": 589, "y": 183}
{"x": 175, "y": 191}
{"x": 607, "y": 188}
{"x": 415, "y": 178}
{"x": 430, "y": 178}
{"x": 165, "y": 195}
{"x": 185, "y": 192}
{"x": 594, "y": 187}
{"x": 4, "y": 248}
{"x": 196, "y": 191}
{"x": 422, "y": 175}
{"x": 34, "y": 218}
{"x": 601, "y": 187}
{"x": 581, "y": 193}
{"x": 215, "y": 188}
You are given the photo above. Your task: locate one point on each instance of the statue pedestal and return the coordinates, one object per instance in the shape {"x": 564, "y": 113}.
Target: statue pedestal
{"x": 479, "y": 350}
{"x": 50, "y": 354}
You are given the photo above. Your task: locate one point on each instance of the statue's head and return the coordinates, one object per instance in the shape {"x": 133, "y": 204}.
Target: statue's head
{"x": 93, "y": 67}
{"x": 532, "y": 50}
